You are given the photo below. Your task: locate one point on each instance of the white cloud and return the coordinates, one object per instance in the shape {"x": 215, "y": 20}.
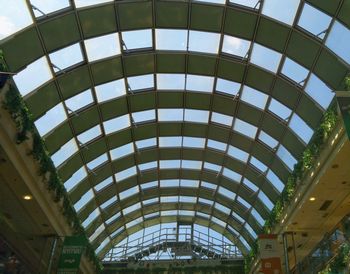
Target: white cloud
{"x": 6, "y": 27}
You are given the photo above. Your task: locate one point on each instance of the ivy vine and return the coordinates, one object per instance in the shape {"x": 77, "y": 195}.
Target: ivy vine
{"x": 22, "y": 117}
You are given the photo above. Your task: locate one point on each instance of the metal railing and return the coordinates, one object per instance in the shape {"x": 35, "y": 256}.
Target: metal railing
{"x": 169, "y": 243}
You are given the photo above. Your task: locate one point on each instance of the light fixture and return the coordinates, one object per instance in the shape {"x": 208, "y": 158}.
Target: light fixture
{"x": 27, "y": 197}
{"x": 312, "y": 199}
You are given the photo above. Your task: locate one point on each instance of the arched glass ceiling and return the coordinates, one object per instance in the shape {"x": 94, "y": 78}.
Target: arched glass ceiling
{"x": 158, "y": 111}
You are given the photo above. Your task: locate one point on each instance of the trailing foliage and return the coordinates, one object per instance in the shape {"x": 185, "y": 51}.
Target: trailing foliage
{"x": 339, "y": 263}
{"x": 25, "y": 129}
{"x": 305, "y": 164}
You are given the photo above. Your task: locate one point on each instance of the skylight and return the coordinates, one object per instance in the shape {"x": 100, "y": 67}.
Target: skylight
{"x": 144, "y": 116}
{"x": 122, "y": 151}
{"x": 93, "y": 215}
{"x": 265, "y": 200}
{"x": 319, "y": 91}
{"x": 279, "y": 109}
{"x": 48, "y": 6}
{"x": 286, "y": 157}
{"x": 222, "y": 119}
{"x": 245, "y": 128}
{"x": 258, "y": 217}
{"x": 250, "y": 230}
{"x": 33, "y": 76}
{"x": 314, "y": 21}
{"x": 276, "y": 182}
{"x": 189, "y": 183}
{"x": 102, "y": 46}
{"x": 175, "y": 141}
{"x": 258, "y": 164}
{"x": 300, "y": 128}
{"x": 79, "y": 101}
{"x": 129, "y": 192}
{"x": 126, "y": 173}
{"x": 227, "y": 193}
{"x": 97, "y": 161}
{"x": 254, "y": 97}
{"x": 166, "y": 164}
{"x": 137, "y": 39}
{"x": 116, "y": 124}
{"x": 66, "y": 151}
{"x": 196, "y": 116}
{"x": 250, "y": 185}
{"x": 85, "y": 3}
{"x": 267, "y": 139}
{"x": 193, "y": 142}
{"x": 84, "y": 200}
{"x": 145, "y": 143}
{"x": 266, "y": 58}
{"x": 243, "y": 202}
{"x": 106, "y": 182}
{"x": 206, "y": 42}
{"x": 66, "y": 57}
{"x": 141, "y": 82}
{"x": 199, "y": 83}
{"x": 283, "y": 11}
{"x": 110, "y": 90}
{"x": 338, "y": 41}
{"x": 228, "y": 87}
{"x": 237, "y": 153}
{"x": 108, "y": 202}
{"x": 14, "y": 17}
{"x": 89, "y": 134}
{"x": 191, "y": 164}
{"x": 51, "y": 119}
{"x": 147, "y": 166}
{"x": 170, "y": 115}
{"x": 294, "y": 71}
{"x": 170, "y": 81}
{"x": 235, "y": 46}
{"x": 216, "y": 145}
{"x": 231, "y": 175}
{"x": 248, "y": 3}
{"x": 75, "y": 179}
{"x": 171, "y": 39}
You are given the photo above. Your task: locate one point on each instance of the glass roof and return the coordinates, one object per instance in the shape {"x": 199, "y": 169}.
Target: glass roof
{"x": 190, "y": 111}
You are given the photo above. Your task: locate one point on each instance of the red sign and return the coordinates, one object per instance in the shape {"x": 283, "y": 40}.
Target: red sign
{"x": 270, "y": 259}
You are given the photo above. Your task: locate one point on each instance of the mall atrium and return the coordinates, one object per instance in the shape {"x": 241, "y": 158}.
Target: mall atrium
{"x": 174, "y": 136}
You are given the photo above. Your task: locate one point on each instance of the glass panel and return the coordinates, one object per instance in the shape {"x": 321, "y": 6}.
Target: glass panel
{"x": 110, "y": 90}
{"x": 189, "y": 183}
{"x": 254, "y": 97}
{"x": 250, "y": 230}
{"x": 84, "y": 200}
{"x": 250, "y": 185}
{"x": 170, "y": 39}
{"x": 108, "y": 202}
{"x": 89, "y": 134}
{"x": 79, "y": 101}
{"x": 279, "y": 109}
{"x": 84, "y": 3}
{"x": 222, "y": 208}
{"x": 228, "y": 87}
{"x": 122, "y": 151}
{"x": 75, "y": 179}
{"x": 191, "y": 164}
{"x": 258, "y": 217}
{"x": 207, "y": 42}
{"x": 151, "y": 142}
{"x": 221, "y": 119}
{"x": 170, "y": 115}
{"x": 283, "y": 11}
{"x": 91, "y": 218}
{"x": 116, "y": 124}
{"x": 267, "y": 139}
{"x": 144, "y": 116}
{"x": 104, "y": 183}
{"x": 265, "y": 200}
{"x": 199, "y": 83}
{"x": 258, "y": 164}
{"x": 212, "y": 167}
{"x": 66, "y": 151}
{"x": 48, "y": 6}
{"x": 196, "y": 116}
{"x": 129, "y": 192}
{"x": 171, "y": 81}
{"x": 238, "y": 154}
{"x": 97, "y": 161}
{"x": 208, "y": 185}
{"x": 227, "y": 193}
{"x": 286, "y": 157}
{"x": 14, "y": 16}
{"x": 230, "y": 174}
{"x": 193, "y": 142}
{"x": 276, "y": 182}
{"x": 235, "y": 46}
{"x": 141, "y": 82}
{"x": 314, "y": 20}
{"x": 170, "y": 141}
{"x": 300, "y": 128}
{"x": 243, "y": 202}
{"x": 338, "y": 41}
{"x": 216, "y": 145}
{"x": 51, "y": 119}
{"x": 245, "y": 128}
{"x": 265, "y": 57}
{"x": 124, "y": 174}
{"x": 66, "y": 57}
{"x": 102, "y": 46}
{"x": 294, "y": 71}
{"x": 33, "y": 76}
{"x": 236, "y": 216}
{"x": 319, "y": 91}
{"x": 169, "y": 164}
{"x": 248, "y": 3}
{"x": 147, "y": 166}
{"x": 137, "y": 39}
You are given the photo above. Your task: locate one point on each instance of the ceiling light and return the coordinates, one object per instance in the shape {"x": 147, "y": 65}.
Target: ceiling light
{"x": 27, "y": 197}
{"x": 312, "y": 199}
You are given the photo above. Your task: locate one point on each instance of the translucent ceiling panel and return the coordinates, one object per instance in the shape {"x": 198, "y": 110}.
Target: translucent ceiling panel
{"x": 196, "y": 116}
{"x": 146, "y": 143}
{"x": 116, "y": 124}
{"x": 279, "y": 109}
{"x": 66, "y": 151}
{"x": 254, "y": 97}
{"x": 122, "y": 151}
{"x": 275, "y": 181}
{"x": 110, "y": 90}
{"x": 314, "y": 21}
{"x": 245, "y": 128}
{"x": 216, "y": 145}
{"x": 75, "y": 179}
{"x": 286, "y": 157}
{"x": 170, "y": 115}
{"x": 170, "y": 141}
{"x": 338, "y": 41}
{"x": 104, "y": 183}
{"x": 230, "y": 174}
{"x": 137, "y": 39}
{"x": 170, "y": 39}
{"x": 228, "y": 87}
{"x": 193, "y": 142}
{"x": 319, "y": 91}
{"x": 258, "y": 164}
{"x": 221, "y": 119}
{"x": 66, "y": 57}
{"x": 206, "y": 42}
{"x": 265, "y": 58}
{"x": 213, "y": 1}
{"x": 250, "y": 185}
{"x": 84, "y": 3}
{"x": 102, "y": 46}
{"x": 265, "y": 200}
{"x": 33, "y": 76}
{"x": 48, "y": 6}
{"x": 170, "y": 81}
{"x": 124, "y": 174}
{"x": 238, "y": 154}
{"x": 294, "y": 71}
{"x": 89, "y": 134}
{"x": 141, "y": 82}
{"x": 199, "y": 83}
{"x": 250, "y": 230}
{"x": 267, "y": 139}
{"x": 14, "y": 16}
{"x": 248, "y": 3}
{"x": 84, "y": 200}
{"x": 97, "y": 161}
{"x": 283, "y": 11}
{"x": 79, "y": 101}
{"x": 51, "y": 119}
{"x": 258, "y": 217}
{"x": 235, "y": 46}
{"x": 300, "y": 128}
{"x": 143, "y": 116}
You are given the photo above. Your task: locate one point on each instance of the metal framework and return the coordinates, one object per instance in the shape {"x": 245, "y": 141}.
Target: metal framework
{"x": 112, "y": 224}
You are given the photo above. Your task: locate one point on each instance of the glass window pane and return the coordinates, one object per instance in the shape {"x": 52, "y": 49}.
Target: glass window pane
{"x": 267, "y": 139}
{"x": 51, "y": 119}
{"x": 137, "y": 39}
{"x": 66, "y": 151}
{"x": 294, "y": 71}
{"x": 170, "y": 115}
{"x": 79, "y": 101}
{"x": 170, "y": 39}
{"x": 85, "y": 3}
{"x": 204, "y": 41}
{"x": 245, "y": 128}
{"x": 235, "y": 46}
{"x": 254, "y": 97}
{"x": 66, "y": 57}
{"x": 283, "y": 11}
{"x": 141, "y": 82}
{"x": 248, "y": 3}
{"x": 228, "y": 87}
{"x": 196, "y": 116}
{"x": 221, "y": 119}
{"x": 338, "y": 41}
{"x": 300, "y": 128}
{"x": 102, "y": 46}
{"x": 286, "y": 157}
{"x": 110, "y": 90}
{"x": 116, "y": 124}
{"x": 279, "y": 109}
{"x": 170, "y": 81}
{"x": 89, "y": 134}
{"x": 265, "y": 57}
{"x": 199, "y": 83}
{"x": 97, "y": 161}
{"x": 319, "y": 91}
